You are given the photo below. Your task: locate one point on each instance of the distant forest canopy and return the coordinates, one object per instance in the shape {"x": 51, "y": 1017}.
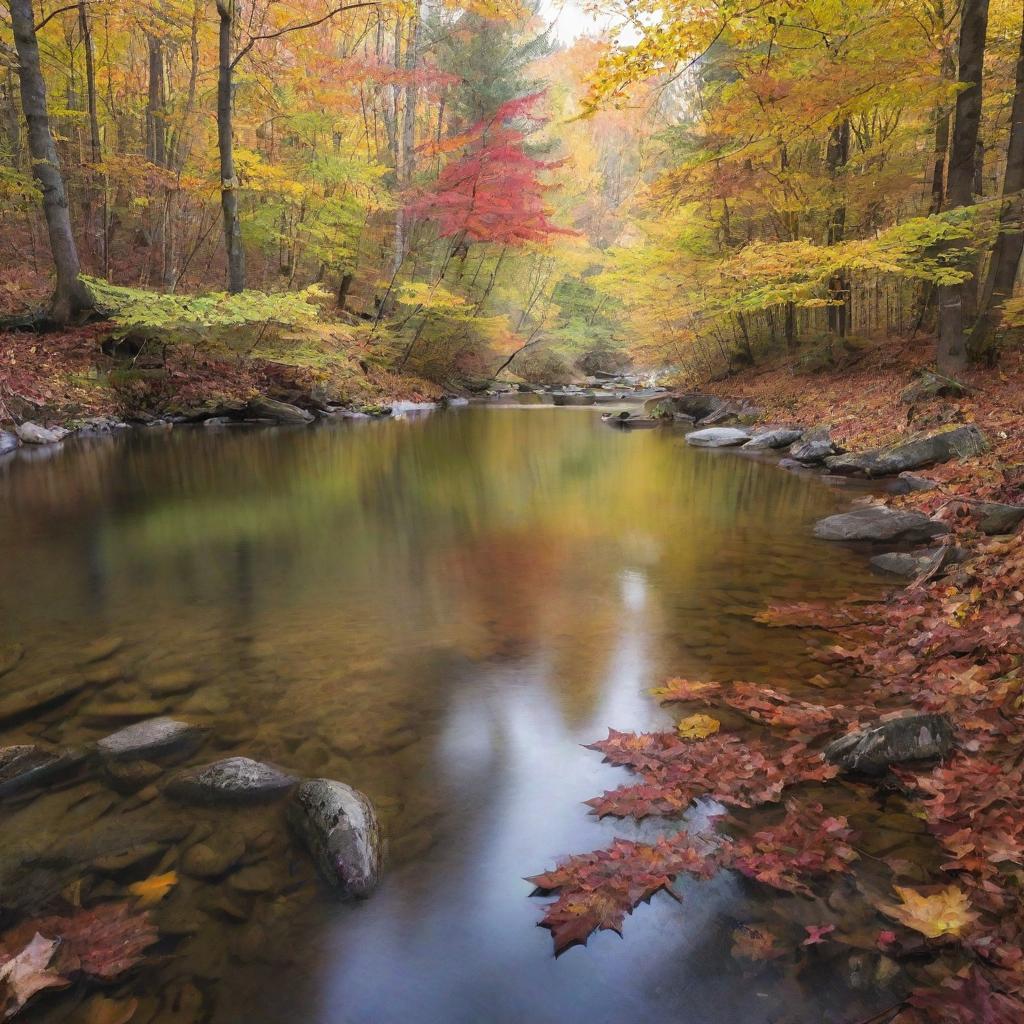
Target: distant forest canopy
{"x": 709, "y": 184}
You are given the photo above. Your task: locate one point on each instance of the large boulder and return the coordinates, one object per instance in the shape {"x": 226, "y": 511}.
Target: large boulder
{"x": 932, "y": 385}
{"x": 692, "y": 406}
{"x": 32, "y": 433}
{"x": 779, "y": 437}
{"x": 280, "y": 412}
{"x": 879, "y": 523}
{"x": 339, "y": 827}
{"x": 814, "y": 447}
{"x": 872, "y": 750}
{"x": 717, "y": 437}
{"x": 153, "y": 738}
{"x": 995, "y": 517}
{"x": 924, "y": 451}
{"x": 235, "y": 780}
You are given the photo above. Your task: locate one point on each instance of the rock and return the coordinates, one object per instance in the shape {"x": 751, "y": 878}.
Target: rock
{"x": 122, "y": 711}
{"x": 235, "y": 780}
{"x": 909, "y": 564}
{"x": 214, "y": 857}
{"x": 101, "y": 648}
{"x": 780, "y": 437}
{"x": 932, "y": 385}
{"x": 279, "y": 412}
{"x": 339, "y": 827}
{"x": 692, "y": 406}
{"x": 911, "y": 738}
{"x": 995, "y": 517}
{"x": 31, "y": 433}
{"x": 27, "y": 765}
{"x": 629, "y": 421}
{"x": 878, "y": 523}
{"x": 925, "y": 451}
{"x": 8, "y": 442}
{"x": 170, "y": 682}
{"x": 815, "y": 446}
{"x": 257, "y": 878}
{"x": 151, "y": 738}
{"x": 717, "y": 437}
{"x": 35, "y": 698}
{"x": 10, "y": 655}
{"x": 133, "y": 856}
{"x": 131, "y": 776}
{"x": 907, "y": 483}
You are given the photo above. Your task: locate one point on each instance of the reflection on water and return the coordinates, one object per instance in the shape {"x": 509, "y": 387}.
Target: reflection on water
{"x": 439, "y": 611}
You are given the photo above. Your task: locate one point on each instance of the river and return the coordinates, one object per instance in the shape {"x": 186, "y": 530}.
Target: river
{"x": 439, "y": 610}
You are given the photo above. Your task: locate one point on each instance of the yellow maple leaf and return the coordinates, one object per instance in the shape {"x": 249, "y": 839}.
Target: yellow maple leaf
{"x": 945, "y": 913}
{"x": 698, "y": 727}
{"x": 155, "y": 888}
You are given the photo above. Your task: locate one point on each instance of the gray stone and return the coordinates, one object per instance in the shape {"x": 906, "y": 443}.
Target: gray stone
{"x": 872, "y": 750}
{"x": 235, "y": 780}
{"x": 815, "y": 446}
{"x": 629, "y": 421}
{"x": 339, "y": 827}
{"x": 28, "y": 765}
{"x": 692, "y": 406}
{"x": 932, "y": 560}
{"x": 33, "y": 433}
{"x": 908, "y": 483}
{"x": 279, "y": 412}
{"x": 717, "y": 437}
{"x": 878, "y": 523}
{"x": 34, "y": 698}
{"x": 932, "y": 385}
{"x": 8, "y": 442}
{"x": 995, "y": 517}
{"x": 780, "y": 437}
{"x": 149, "y": 739}
{"x": 917, "y": 454}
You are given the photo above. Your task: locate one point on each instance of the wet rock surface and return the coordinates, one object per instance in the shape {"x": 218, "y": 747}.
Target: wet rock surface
{"x": 339, "y": 827}
{"x": 277, "y": 412}
{"x": 32, "y": 433}
{"x": 17, "y": 704}
{"x": 8, "y": 442}
{"x": 153, "y": 738}
{"x": 779, "y": 437}
{"x": 717, "y": 437}
{"x": 24, "y": 765}
{"x": 872, "y": 750}
{"x": 814, "y": 447}
{"x": 234, "y": 780}
{"x": 878, "y": 523}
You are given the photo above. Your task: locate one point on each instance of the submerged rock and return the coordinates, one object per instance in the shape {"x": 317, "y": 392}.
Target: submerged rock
{"x": 34, "y": 698}
{"x": 27, "y": 765}
{"x": 780, "y": 437}
{"x": 129, "y": 776}
{"x": 925, "y": 451}
{"x": 911, "y": 738}
{"x": 717, "y": 437}
{"x": 214, "y": 856}
{"x": 151, "y": 738}
{"x": 878, "y": 523}
{"x": 235, "y": 780}
{"x": 10, "y": 655}
{"x": 339, "y": 827}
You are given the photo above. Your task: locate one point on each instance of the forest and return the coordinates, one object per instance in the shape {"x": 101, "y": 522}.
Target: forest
{"x": 788, "y": 229}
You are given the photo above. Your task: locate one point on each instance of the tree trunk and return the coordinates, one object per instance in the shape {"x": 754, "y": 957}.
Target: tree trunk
{"x": 951, "y": 350}
{"x": 156, "y": 119}
{"x": 836, "y": 157}
{"x": 942, "y": 117}
{"x": 343, "y": 288}
{"x": 1010, "y": 242}
{"x": 71, "y": 300}
{"x": 228, "y": 181}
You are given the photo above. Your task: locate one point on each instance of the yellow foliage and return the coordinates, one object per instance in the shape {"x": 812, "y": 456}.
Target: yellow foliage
{"x": 153, "y": 889}
{"x": 698, "y": 727}
{"x": 945, "y": 913}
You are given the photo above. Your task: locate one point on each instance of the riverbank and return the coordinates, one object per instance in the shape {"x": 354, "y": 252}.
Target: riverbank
{"x": 944, "y": 651}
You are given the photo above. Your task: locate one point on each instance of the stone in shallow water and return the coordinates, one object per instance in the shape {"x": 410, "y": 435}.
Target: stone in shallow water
{"x": 960, "y": 443}
{"x": 214, "y": 856}
{"x": 27, "y": 765}
{"x": 717, "y": 437}
{"x": 8, "y": 442}
{"x": 910, "y": 738}
{"x": 339, "y": 827}
{"x": 131, "y": 776}
{"x": 10, "y": 655}
{"x": 33, "y": 433}
{"x": 103, "y": 647}
{"x": 36, "y": 698}
{"x": 235, "y": 780}
{"x": 780, "y": 437}
{"x": 878, "y": 522}
{"x": 149, "y": 739}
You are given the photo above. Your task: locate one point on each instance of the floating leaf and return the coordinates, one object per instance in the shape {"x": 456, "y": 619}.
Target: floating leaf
{"x": 945, "y": 913}
{"x": 816, "y": 933}
{"x": 755, "y": 942}
{"x": 683, "y": 691}
{"x": 698, "y": 727}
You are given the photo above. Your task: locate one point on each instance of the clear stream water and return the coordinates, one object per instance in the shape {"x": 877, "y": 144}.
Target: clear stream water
{"x": 439, "y": 610}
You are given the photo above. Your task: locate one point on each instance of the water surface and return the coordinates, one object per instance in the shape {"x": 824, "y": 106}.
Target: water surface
{"x": 440, "y": 611}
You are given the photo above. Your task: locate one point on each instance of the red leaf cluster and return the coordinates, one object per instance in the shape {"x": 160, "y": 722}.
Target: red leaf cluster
{"x": 771, "y": 707}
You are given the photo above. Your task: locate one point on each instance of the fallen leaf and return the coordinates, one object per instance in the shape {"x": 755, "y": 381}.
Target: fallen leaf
{"x": 27, "y": 973}
{"x": 686, "y": 690}
{"x": 698, "y": 727}
{"x": 816, "y": 933}
{"x": 752, "y": 942}
{"x": 153, "y": 889}
{"x": 945, "y": 913}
